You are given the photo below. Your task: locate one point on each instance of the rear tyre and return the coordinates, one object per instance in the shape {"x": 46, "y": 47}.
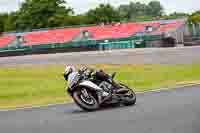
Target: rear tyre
{"x": 130, "y": 97}
{"x": 87, "y": 104}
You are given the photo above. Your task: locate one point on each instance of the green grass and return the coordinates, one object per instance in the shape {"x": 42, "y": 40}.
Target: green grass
{"x": 40, "y": 85}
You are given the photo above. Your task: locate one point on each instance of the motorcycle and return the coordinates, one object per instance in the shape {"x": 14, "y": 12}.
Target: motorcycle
{"x": 90, "y": 94}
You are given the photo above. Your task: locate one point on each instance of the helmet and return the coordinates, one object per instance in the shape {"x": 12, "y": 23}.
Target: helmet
{"x": 68, "y": 70}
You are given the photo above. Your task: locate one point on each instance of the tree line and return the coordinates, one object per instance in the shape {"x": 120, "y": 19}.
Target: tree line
{"x": 35, "y": 14}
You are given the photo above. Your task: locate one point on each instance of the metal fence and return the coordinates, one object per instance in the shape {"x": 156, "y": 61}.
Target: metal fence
{"x": 106, "y": 44}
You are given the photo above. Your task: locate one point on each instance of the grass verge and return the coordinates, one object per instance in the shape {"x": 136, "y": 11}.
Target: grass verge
{"x": 39, "y": 85}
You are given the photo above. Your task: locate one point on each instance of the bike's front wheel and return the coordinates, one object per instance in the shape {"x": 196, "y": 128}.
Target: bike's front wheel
{"x": 85, "y": 100}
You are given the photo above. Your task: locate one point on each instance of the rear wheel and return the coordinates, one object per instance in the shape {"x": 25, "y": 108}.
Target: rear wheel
{"x": 130, "y": 97}
{"x": 85, "y": 100}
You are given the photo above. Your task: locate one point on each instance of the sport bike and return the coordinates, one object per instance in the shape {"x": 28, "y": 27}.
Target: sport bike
{"x": 90, "y": 93}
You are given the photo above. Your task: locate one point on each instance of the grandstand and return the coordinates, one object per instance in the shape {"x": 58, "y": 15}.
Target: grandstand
{"x": 60, "y": 38}
{"x": 5, "y": 40}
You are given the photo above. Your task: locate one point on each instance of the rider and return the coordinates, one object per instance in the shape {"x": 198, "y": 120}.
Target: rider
{"x": 69, "y": 70}
{"x": 99, "y": 75}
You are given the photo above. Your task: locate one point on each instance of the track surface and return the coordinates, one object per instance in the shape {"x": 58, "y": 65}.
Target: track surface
{"x": 171, "y": 111}
{"x": 185, "y": 55}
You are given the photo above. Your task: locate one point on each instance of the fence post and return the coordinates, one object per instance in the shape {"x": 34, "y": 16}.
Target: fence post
{"x": 194, "y": 29}
{"x": 199, "y": 29}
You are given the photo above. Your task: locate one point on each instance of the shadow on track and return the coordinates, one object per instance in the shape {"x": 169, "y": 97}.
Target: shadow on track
{"x": 102, "y": 109}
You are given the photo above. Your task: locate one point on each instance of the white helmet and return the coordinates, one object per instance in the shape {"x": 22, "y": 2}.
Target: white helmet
{"x": 69, "y": 69}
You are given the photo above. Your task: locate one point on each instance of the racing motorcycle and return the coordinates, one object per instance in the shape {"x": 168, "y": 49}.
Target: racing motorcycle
{"x": 91, "y": 94}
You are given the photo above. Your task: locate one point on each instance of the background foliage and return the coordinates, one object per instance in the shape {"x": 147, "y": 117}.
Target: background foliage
{"x": 34, "y": 14}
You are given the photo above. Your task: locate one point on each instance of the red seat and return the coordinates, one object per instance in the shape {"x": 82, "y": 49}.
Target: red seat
{"x": 114, "y": 31}
{"x": 51, "y": 36}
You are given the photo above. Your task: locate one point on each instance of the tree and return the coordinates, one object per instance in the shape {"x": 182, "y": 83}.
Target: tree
{"x": 1, "y": 23}
{"x": 42, "y": 14}
{"x": 7, "y": 22}
{"x": 78, "y": 20}
{"x": 132, "y": 11}
{"x": 175, "y": 15}
{"x": 137, "y": 11}
{"x": 103, "y": 13}
{"x": 195, "y": 17}
{"x": 155, "y": 9}
{"x": 125, "y": 12}
{"x": 138, "y": 8}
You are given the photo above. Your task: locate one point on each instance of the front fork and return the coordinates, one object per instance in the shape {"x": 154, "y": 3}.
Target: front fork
{"x": 99, "y": 95}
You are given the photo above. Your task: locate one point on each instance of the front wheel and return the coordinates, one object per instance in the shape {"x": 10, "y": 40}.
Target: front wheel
{"x": 130, "y": 97}
{"x": 85, "y": 100}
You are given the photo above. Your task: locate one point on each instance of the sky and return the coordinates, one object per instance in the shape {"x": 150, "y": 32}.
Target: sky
{"x": 81, "y": 6}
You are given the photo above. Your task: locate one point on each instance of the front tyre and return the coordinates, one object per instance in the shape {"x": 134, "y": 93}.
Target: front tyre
{"x": 87, "y": 103}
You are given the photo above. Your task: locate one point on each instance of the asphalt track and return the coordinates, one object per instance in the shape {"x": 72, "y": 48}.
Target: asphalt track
{"x": 169, "y": 111}
{"x": 180, "y": 55}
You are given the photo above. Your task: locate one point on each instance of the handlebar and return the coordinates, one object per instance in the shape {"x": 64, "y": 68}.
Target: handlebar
{"x": 84, "y": 69}
{"x": 86, "y": 72}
